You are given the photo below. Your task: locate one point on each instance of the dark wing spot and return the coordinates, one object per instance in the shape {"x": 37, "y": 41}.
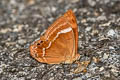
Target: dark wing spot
{"x": 38, "y": 43}
{"x": 41, "y": 41}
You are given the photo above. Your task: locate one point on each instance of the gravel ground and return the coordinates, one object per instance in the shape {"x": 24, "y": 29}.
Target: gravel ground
{"x": 23, "y": 21}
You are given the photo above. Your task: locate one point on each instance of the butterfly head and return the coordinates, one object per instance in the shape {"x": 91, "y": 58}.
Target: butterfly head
{"x": 37, "y": 48}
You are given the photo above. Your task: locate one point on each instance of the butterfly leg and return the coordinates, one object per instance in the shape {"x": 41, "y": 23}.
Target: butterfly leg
{"x": 81, "y": 66}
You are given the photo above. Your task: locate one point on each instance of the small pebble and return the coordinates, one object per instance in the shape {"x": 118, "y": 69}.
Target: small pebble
{"x": 88, "y": 28}
{"x": 111, "y": 47}
{"x": 111, "y": 32}
{"x": 22, "y": 41}
{"x": 106, "y": 56}
{"x": 101, "y": 69}
{"x": 78, "y": 78}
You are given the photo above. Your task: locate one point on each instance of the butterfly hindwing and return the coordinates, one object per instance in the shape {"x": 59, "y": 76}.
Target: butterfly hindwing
{"x": 59, "y": 44}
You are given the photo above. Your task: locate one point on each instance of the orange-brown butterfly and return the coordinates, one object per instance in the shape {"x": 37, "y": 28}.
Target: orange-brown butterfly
{"x": 59, "y": 43}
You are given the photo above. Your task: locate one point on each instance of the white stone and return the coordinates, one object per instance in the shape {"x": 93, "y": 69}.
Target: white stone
{"x": 78, "y": 78}
{"x": 111, "y": 32}
{"x": 101, "y": 69}
{"x": 105, "y": 56}
{"x": 88, "y": 28}
{"x": 111, "y": 47}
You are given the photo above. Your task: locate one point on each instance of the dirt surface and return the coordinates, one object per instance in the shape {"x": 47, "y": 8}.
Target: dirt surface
{"x": 23, "y": 21}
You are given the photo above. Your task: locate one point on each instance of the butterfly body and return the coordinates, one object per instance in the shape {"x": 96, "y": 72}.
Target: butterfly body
{"x": 59, "y": 43}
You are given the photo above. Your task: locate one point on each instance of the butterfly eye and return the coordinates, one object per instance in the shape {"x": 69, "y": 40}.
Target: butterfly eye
{"x": 39, "y": 43}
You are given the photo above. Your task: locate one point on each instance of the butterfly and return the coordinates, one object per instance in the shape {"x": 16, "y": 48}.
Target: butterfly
{"x": 59, "y": 43}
